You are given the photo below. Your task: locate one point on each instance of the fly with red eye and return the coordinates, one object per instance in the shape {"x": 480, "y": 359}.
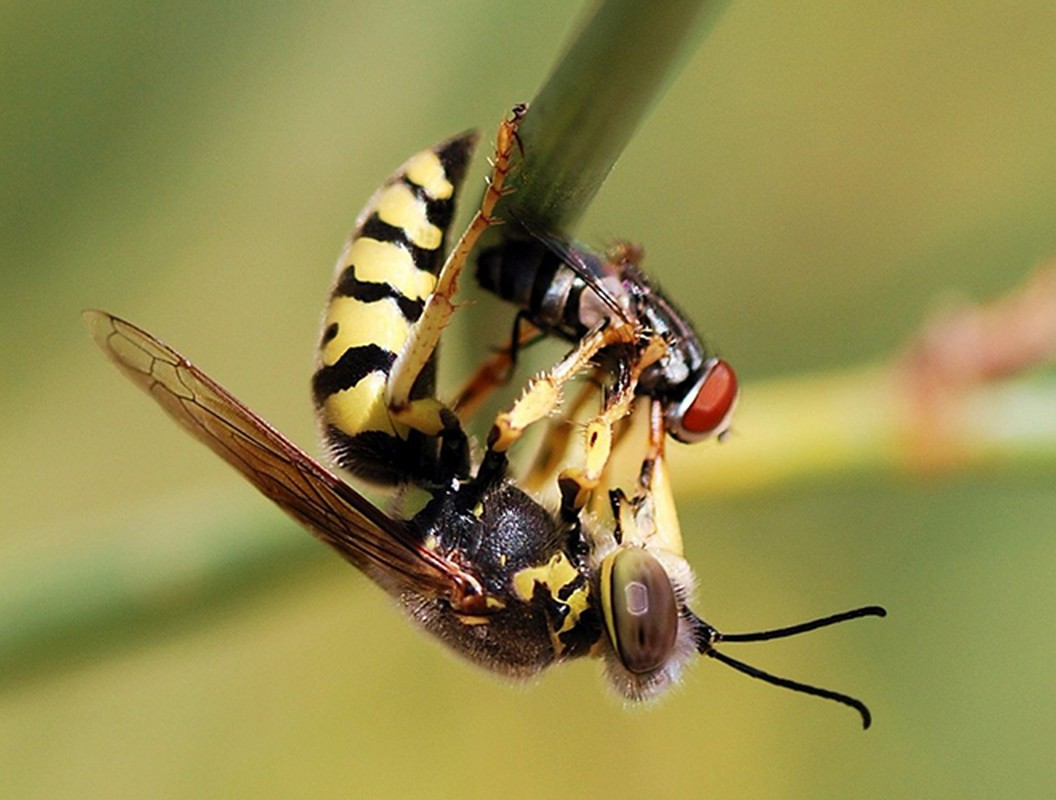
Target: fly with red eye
{"x": 636, "y": 341}
{"x": 567, "y": 291}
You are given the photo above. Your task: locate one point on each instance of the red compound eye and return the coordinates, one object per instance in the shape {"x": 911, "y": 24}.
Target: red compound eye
{"x": 710, "y": 410}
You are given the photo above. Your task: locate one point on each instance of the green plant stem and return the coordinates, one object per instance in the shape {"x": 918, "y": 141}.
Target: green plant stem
{"x": 618, "y": 66}
{"x": 170, "y": 560}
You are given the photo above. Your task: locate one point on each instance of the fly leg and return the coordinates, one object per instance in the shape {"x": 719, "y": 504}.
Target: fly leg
{"x": 496, "y": 370}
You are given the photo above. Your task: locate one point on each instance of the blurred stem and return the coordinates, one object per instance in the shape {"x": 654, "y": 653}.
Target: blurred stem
{"x": 151, "y": 573}
{"x": 169, "y": 561}
{"x": 619, "y": 64}
{"x": 867, "y": 421}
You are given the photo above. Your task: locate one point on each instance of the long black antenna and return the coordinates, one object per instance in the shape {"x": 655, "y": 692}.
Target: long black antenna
{"x": 708, "y": 637}
{"x": 803, "y": 627}
{"x": 796, "y": 686}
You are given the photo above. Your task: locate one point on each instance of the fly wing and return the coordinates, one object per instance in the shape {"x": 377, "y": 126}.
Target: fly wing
{"x": 595, "y": 270}
{"x": 383, "y": 547}
{"x": 590, "y": 266}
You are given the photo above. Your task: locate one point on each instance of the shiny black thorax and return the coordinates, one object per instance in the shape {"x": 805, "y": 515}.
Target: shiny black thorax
{"x": 563, "y": 300}
{"x": 496, "y": 532}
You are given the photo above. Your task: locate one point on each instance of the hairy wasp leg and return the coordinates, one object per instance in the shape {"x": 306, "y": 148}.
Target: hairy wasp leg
{"x": 553, "y": 450}
{"x": 542, "y": 396}
{"x": 425, "y": 415}
{"x": 544, "y": 393}
{"x": 496, "y": 370}
{"x": 577, "y": 484}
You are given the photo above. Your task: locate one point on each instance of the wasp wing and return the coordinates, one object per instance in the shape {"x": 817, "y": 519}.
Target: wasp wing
{"x": 383, "y": 547}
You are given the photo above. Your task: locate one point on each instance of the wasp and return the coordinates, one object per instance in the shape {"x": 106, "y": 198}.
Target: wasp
{"x": 499, "y": 578}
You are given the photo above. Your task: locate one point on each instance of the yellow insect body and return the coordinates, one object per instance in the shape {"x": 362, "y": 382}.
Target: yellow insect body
{"x": 384, "y": 275}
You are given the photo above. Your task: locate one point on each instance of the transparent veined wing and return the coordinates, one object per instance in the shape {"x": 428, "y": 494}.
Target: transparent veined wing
{"x": 385, "y": 548}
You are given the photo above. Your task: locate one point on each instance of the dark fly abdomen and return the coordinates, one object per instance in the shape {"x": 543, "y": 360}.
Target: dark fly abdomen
{"x": 537, "y": 280}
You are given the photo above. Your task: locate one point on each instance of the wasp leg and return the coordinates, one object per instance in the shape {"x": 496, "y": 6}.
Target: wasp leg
{"x": 497, "y": 370}
{"x": 578, "y": 483}
{"x": 555, "y": 445}
{"x": 425, "y": 414}
{"x": 544, "y": 393}
{"x": 541, "y": 397}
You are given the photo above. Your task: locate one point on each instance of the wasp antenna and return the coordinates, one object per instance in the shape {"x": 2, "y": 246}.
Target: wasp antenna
{"x": 795, "y": 686}
{"x": 803, "y": 627}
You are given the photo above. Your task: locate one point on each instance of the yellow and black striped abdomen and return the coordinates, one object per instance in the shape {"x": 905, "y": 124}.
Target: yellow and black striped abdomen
{"x": 384, "y": 275}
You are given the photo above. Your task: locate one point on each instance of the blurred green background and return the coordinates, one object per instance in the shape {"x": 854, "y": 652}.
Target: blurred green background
{"x": 813, "y": 183}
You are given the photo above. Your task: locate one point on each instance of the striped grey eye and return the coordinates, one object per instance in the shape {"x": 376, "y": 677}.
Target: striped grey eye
{"x": 643, "y": 613}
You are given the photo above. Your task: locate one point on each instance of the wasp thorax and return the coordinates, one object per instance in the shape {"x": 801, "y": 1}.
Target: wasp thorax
{"x": 709, "y": 406}
{"x": 643, "y": 612}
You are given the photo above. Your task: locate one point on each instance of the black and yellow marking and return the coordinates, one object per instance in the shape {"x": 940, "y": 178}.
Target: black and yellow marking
{"x": 565, "y": 592}
{"x": 385, "y": 274}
